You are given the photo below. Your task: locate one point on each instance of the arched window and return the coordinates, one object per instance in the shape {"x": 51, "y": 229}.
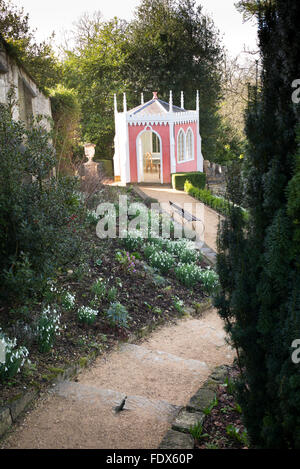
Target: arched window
{"x": 155, "y": 143}
{"x": 181, "y": 146}
{"x": 189, "y": 145}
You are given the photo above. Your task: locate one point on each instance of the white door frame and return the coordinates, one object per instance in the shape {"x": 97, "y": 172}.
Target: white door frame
{"x": 140, "y": 156}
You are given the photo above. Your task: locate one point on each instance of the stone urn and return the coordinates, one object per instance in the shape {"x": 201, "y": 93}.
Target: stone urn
{"x": 89, "y": 152}
{"x": 91, "y": 167}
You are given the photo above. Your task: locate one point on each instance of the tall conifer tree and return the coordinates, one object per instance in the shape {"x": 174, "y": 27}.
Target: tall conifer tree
{"x": 259, "y": 262}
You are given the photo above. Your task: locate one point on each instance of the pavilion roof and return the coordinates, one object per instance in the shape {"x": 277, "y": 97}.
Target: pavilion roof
{"x": 154, "y": 106}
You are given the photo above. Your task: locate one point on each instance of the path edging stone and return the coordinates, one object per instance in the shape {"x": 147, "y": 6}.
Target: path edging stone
{"x": 179, "y": 437}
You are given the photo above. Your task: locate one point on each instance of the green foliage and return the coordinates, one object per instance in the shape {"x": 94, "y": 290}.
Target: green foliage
{"x": 259, "y": 262}
{"x": 66, "y": 115}
{"x": 178, "y": 305}
{"x": 204, "y": 195}
{"x": 197, "y": 179}
{"x": 99, "y": 288}
{"x": 126, "y": 260}
{"x": 112, "y": 294}
{"x": 95, "y": 70}
{"x": 197, "y": 431}
{"x": 235, "y": 434}
{"x": 118, "y": 315}
{"x": 209, "y": 408}
{"x": 39, "y": 215}
{"x": 191, "y": 274}
{"x": 39, "y": 59}
{"x": 149, "y": 249}
{"x": 108, "y": 167}
{"x": 175, "y": 46}
{"x": 68, "y": 301}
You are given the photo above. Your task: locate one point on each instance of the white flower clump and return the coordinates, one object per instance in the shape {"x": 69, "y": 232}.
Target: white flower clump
{"x": 86, "y": 314}
{"x": 162, "y": 261}
{"x": 69, "y": 300}
{"x": 48, "y": 328}
{"x": 92, "y": 215}
{"x": 15, "y": 358}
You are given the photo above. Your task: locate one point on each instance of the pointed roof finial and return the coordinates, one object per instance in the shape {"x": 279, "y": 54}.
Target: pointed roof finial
{"x": 142, "y": 98}
{"x": 182, "y": 100}
{"x": 197, "y": 101}
{"x": 155, "y": 95}
{"x": 171, "y": 102}
{"x": 124, "y": 103}
{"x": 115, "y": 103}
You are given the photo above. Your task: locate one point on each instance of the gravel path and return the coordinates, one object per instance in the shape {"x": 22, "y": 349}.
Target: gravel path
{"x": 158, "y": 375}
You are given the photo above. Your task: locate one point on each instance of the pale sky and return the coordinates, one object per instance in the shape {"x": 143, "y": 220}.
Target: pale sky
{"x": 58, "y": 15}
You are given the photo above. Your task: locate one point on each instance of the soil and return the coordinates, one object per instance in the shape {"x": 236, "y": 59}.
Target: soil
{"x": 226, "y": 413}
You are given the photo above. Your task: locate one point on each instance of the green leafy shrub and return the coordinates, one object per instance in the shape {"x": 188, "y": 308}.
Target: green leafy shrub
{"x": 48, "y": 327}
{"x": 15, "y": 357}
{"x": 118, "y": 315}
{"x": 204, "y": 195}
{"x": 40, "y": 216}
{"x": 196, "y": 178}
{"x": 87, "y": 315}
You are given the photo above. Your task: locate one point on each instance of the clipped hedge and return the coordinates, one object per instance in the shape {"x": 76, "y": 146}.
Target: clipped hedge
{"x": 197, "y": 179}
{"x": 219, "y": 204}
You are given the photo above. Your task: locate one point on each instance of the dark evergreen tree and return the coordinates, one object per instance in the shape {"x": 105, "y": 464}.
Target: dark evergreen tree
{"x": 259, "y": 262}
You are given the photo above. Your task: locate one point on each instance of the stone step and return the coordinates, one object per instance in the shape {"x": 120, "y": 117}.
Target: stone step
{"x": 108, "y": 399}
{"x": 158, "y": 356}
{"x": 136, "y": 370}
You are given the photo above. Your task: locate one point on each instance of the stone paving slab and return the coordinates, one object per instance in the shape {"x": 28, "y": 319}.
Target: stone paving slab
{"x": 185, "y": 420}
{"x": 177, "y": 440}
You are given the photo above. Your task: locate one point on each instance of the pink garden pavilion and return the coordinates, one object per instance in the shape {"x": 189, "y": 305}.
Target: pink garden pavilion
{"x": 155, "y": 140}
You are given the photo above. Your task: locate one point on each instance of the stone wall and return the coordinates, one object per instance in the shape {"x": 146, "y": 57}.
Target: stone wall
{"x": 215, "y": 177}
{"x": 30, "y": 100}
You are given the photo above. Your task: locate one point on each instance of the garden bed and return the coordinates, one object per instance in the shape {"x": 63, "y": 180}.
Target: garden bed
{"x": 149, "y": 296}
{"x": 223, "y": 427}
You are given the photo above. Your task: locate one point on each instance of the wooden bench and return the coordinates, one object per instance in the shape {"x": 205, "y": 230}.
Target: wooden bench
{"x": 184, "y": 214}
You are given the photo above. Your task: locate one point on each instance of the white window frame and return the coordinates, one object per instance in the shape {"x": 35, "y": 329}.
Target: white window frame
{"x": 189, "y": 131}
{"x": 181, "y": 133}
{"x": 185, "y": 145}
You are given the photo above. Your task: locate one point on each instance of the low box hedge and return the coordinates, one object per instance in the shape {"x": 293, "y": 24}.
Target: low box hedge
{"x": 219, "y": 204}
{"x": 196, "y": 178}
